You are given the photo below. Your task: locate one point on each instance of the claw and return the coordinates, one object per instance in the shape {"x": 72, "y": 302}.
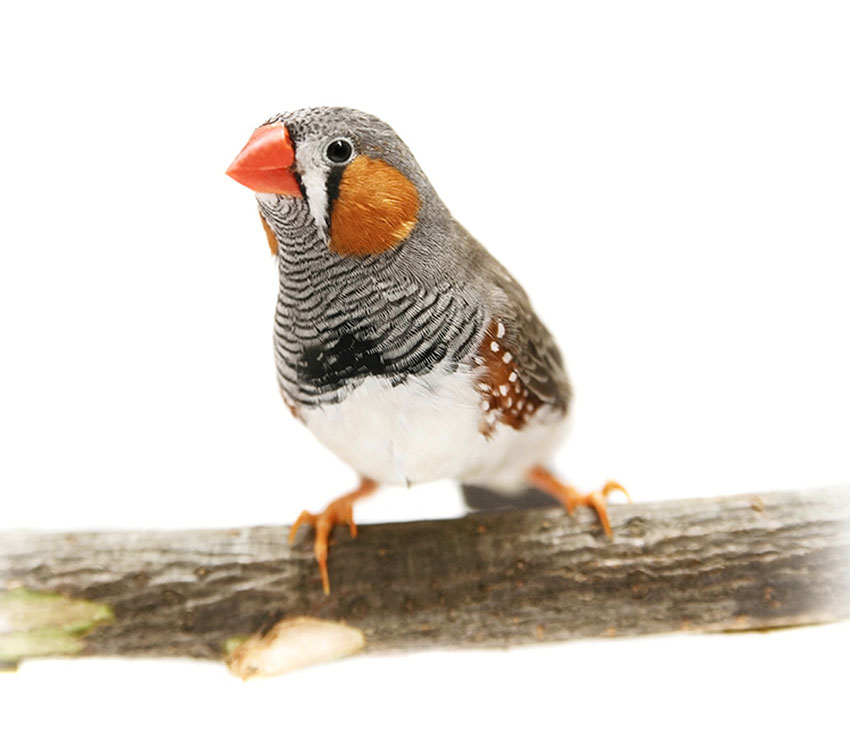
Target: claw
{"x": 304, "y": 517}
{"x": 571, "y": 497}
{"x": 616, "y": 486}
{"x": 338, "y": 512}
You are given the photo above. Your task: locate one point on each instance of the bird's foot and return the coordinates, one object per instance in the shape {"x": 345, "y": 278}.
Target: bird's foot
{"x": 338, "y": 512}
{"x": 570, "y": 497}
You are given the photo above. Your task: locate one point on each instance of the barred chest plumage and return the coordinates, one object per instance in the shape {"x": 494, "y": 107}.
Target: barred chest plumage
{"x": 340, "y": 319}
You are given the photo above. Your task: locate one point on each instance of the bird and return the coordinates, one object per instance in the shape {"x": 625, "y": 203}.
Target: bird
{"x": 404, "y": 346}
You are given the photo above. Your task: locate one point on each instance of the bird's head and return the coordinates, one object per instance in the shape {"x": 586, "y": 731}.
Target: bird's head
{"x": 364, "y": 190}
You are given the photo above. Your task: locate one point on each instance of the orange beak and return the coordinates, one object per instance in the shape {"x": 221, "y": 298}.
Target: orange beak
{"x": 264, "y": 164}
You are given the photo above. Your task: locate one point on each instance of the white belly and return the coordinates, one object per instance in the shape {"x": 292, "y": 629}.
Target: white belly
{"x": 429, "y": 428}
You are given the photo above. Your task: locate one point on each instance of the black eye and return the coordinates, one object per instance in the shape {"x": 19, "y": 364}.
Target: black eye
{"x": 339, "y": 151}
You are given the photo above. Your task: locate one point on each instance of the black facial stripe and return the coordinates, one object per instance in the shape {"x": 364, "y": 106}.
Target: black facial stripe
{"x": 332, "y": 187}
{"x": 300, "y": 183}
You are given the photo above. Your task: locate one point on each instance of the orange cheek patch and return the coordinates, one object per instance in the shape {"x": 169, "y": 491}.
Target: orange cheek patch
{"x": 375, "y": 211}
{"x": 269, "y": 236}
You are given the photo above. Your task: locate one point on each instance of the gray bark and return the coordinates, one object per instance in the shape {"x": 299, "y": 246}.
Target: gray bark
{"x": 488, "y": 579}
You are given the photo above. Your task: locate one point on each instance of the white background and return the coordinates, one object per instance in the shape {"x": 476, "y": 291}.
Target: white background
{"x": 670, "y": 181}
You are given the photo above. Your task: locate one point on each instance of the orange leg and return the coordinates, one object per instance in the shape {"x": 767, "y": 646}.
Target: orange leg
{"x": 541, "y": 478}
{"x": 336, "y": 513}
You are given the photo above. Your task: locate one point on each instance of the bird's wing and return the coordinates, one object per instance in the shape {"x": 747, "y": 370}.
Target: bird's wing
{"x": 537, "y": 358}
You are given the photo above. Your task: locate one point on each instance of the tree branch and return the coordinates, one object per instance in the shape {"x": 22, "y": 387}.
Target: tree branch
{"x": 488, "y": 579}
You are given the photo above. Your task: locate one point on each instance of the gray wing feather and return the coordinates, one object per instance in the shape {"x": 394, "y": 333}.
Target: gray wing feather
{"x": 537, "y": 355}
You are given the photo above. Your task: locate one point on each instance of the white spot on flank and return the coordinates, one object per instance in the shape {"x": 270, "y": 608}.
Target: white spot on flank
{"x": 500, "y": 330}
{"x": 512, "y": 376}
{"x": 509, "y": 403}
{"x": 484, "y": 386}
{"x": 507, "y": 357}
{"x": 485, "y": 405}
{"x": 503, "y": 389}
{"x": 494, "y": 345}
